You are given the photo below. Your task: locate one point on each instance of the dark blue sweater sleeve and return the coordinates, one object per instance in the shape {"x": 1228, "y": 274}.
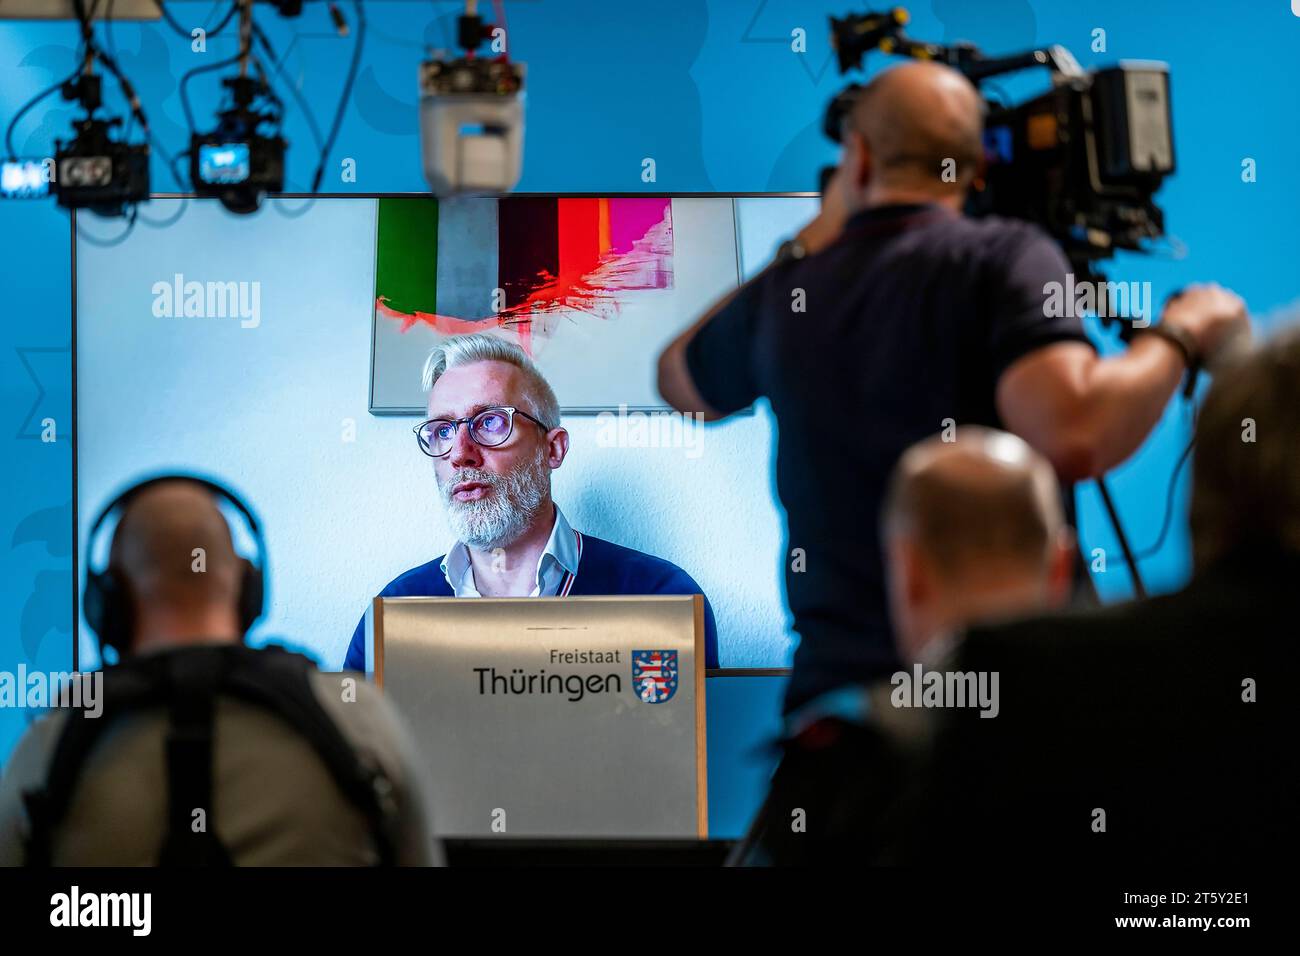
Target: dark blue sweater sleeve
{"x": 710, "y": 637}
{"x": 356, "y": 656}
{"x": 679, "y": 582}
{"x": 425, "y": 580}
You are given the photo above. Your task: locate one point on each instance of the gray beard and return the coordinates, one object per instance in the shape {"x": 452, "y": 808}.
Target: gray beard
{"x": 500, "y": 518}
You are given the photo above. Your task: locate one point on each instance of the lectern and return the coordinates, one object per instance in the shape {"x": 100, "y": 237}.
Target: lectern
{"x": 551, "y": 717}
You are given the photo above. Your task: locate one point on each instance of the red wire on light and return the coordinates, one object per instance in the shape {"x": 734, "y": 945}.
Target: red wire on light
{"x": 499, "y": 7}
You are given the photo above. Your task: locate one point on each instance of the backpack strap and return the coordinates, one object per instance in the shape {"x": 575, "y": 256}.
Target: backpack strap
{"x": 134, "y": 686}
{"x": 193, "y": 681}
{"x": 187, "y": 683}
{"x": 280, "y": 681}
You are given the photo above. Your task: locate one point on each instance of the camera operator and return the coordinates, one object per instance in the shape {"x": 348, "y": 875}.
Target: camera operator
{"x": 892, "y": 317}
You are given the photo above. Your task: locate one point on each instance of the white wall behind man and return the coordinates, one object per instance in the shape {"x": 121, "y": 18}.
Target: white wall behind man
{"x": 267, "y": 408}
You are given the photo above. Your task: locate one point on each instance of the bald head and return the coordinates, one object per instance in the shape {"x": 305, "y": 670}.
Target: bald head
{"x": 156, "y": 550}
{"x": 913, "y": 118}
{"x": 986, "y": 497}
{"x": 975, "y": 528}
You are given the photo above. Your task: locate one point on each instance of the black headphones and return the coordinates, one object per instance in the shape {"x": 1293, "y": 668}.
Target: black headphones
{"x": 107, "y": 600}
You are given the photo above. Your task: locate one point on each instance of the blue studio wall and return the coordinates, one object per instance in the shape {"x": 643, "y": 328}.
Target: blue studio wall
{"x": 714, "y": 93}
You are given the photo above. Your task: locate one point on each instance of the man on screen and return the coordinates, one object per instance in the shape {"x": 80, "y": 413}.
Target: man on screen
{"x": 494, "y": 435}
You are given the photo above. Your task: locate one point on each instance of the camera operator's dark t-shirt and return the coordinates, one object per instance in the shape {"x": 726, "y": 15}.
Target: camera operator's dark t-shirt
{"x": 910, "y": 318}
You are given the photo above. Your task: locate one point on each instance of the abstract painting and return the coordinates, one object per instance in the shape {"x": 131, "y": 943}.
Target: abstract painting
{"x": 591, "y": 287}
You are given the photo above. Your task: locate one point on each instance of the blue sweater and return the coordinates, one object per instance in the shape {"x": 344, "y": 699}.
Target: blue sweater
{"x": 605, "y": 568}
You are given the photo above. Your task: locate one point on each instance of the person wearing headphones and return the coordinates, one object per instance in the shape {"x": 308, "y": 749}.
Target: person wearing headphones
{"x": 220, "y": 753}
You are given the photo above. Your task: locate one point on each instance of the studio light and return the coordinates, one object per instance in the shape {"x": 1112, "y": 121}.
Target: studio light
{"x": 472, "y": 114}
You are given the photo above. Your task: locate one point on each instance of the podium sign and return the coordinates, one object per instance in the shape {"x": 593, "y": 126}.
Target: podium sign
{"x": 562, "y": 717}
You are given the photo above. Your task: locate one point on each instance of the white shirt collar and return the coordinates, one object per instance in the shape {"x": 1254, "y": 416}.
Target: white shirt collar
{"x": 558, "y": 561}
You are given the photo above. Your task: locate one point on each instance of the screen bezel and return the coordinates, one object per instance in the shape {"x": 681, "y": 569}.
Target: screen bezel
{"x": 77, "y": 569}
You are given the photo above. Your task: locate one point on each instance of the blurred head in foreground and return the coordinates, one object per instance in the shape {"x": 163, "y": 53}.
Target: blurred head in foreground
{"x": 176, "y": 601}
{"x": 1246, "y": 474}
{"x": 974, "y": 530}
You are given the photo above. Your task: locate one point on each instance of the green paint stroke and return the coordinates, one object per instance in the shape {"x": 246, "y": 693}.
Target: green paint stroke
{"x": 406, "y": 266}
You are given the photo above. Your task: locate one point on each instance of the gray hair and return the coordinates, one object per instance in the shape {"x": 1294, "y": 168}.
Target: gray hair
{"x": 481, "y": 347}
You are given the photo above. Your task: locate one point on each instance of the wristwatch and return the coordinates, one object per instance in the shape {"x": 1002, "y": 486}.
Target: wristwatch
{"x": 1185, "y": 342}
{"x": 790, "y": 250}
{"x": 1181, "y": 339}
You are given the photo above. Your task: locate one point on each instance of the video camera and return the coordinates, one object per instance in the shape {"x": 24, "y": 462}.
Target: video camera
{"x": 237, "y": 163}
{"x": 1083, "y": 160}
{"x": 95, "y": 170}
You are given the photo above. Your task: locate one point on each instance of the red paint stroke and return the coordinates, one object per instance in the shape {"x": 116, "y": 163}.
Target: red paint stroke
{"x": 580, "y": 234}
{"x": 451, "y": 325}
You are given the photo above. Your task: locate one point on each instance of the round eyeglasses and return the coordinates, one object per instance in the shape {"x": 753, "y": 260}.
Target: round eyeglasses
{"x": 489, "y": 428}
